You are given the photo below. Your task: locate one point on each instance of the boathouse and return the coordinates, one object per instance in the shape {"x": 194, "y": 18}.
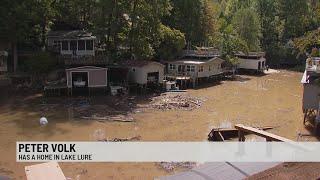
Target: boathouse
{"x": 87, "y": 77}
{"x": 3, "y": 62}
{"x": 143, "y": 72}
{"x": 252, "y": 61}
{"x": 194, "y": 69}
{"x": 74, "y": 43}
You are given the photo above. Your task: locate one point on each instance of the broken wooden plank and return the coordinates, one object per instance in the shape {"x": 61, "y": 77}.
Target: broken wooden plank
{"x": 261, "y": 133}
{"x": 228, "y": 133}
{"x": 48, "y": 171}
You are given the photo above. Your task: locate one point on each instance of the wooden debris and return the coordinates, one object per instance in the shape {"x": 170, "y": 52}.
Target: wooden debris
{"x": 118, "y": 118}
{"x": 135, "y": 138}
{"x": 169, "y": 101}
{"x": 222, "y": 134}
{"x": 170, "y": 166}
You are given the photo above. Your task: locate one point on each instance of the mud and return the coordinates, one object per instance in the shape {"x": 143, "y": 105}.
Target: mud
{"x": 270, "y": 100}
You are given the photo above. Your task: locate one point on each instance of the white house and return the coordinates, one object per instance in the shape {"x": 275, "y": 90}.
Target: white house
{"x": 3, "y": 62}
{"x": 252, "y": 61}
{"x": 192, "y": 70}
{"x": 144, "y": 72}
{"x": 195, "y": 68}
{"x": 75, "y": 43}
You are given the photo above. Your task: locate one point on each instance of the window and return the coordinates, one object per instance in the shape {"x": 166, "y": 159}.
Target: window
{"x": 1, "y": 61}
{"x": 209, "y": 68}
{"x": 89, "y": 44}
{"x": 81, "y": 45}
{"x": 190, "y": 68}
{"x": 172, "y": 66}
{"x": 65, "y": 45}
{"x": 200, "y": 68}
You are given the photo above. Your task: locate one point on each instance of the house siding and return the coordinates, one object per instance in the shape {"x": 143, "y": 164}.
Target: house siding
{"x": 139, "y": 75}
{"x": 250, "y": 63}
{"x": 311, "y": 96}
{"x": 215, "y": 68}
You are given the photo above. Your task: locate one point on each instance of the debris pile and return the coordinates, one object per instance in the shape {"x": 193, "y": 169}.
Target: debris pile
{"x": 170, "y": 166}
{"x": 169, "y": 101}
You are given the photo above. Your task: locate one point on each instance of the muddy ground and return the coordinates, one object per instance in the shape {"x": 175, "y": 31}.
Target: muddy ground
{"x": 270, "y": 100}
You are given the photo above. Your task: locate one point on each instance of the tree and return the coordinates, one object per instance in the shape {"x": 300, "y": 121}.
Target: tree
{"x": 305, "y": 43}
{"x": 271, "y": 29}
{"x": 197, "y": 19}
{"x": 247, "y": 25}
{"x": 15, "y": 24}
{"x": 172, "y": 42}
{"x": 296, "y": 18}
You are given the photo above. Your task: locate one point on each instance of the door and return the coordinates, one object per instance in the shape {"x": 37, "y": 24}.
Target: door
{"x": 259, "y": 65}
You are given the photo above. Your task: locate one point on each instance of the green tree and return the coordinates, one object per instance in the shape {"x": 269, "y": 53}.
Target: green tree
{"x": 296, "y": 18}
{"x": 247, "y": 25}
{"x": 172, "y": 42}
{"x": 15, "y": 24}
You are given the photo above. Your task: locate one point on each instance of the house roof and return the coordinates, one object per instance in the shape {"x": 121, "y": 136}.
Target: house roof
{"x": 222, "y": 170}
{"x": 197, "y": 61}
{"x": 75, "y": 34}
{"x": 86, "y": 68}
{"x": 138, "y": 63}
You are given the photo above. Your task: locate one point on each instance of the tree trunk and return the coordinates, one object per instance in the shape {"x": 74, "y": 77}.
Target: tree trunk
{"x": 15, "y": 56}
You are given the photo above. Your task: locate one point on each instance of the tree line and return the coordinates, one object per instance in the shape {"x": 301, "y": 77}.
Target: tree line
{"x": 160, "y": 29}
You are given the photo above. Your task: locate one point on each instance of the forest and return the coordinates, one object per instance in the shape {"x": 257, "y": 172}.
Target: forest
{"x": 160, "y": 29}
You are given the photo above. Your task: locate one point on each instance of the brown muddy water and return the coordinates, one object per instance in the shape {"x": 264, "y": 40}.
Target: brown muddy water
{"x": 270, "y": 100}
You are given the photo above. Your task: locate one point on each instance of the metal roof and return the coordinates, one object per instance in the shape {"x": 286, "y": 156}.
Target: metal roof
{"x": 221, "y": 170}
